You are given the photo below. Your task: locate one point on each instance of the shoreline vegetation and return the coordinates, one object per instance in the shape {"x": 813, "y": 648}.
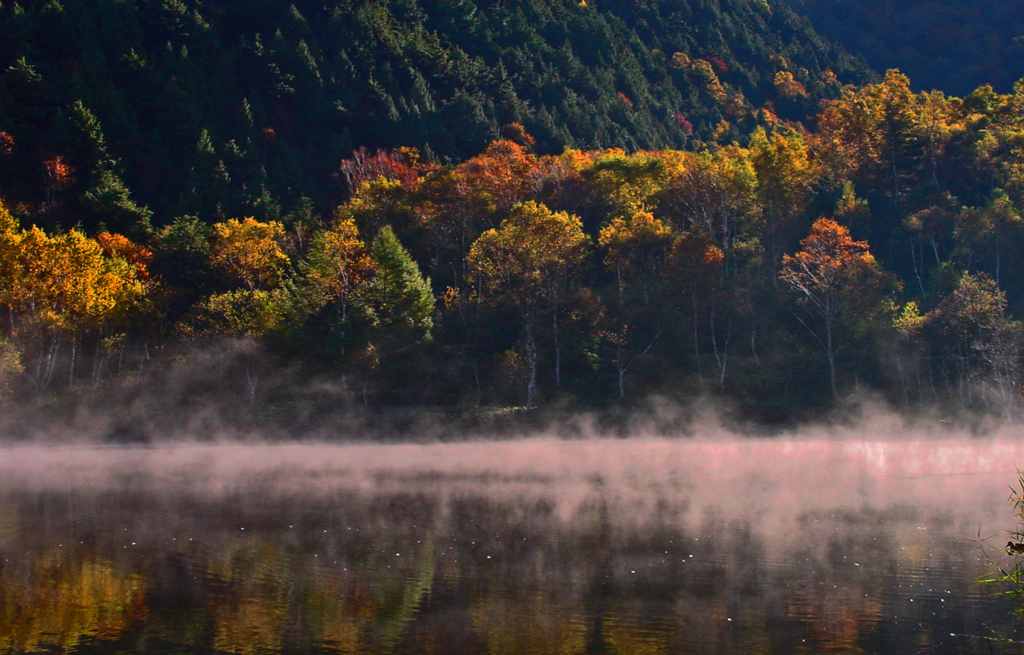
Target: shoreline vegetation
{"x": 876, "y": 255}
{"x": 771, "y": 233}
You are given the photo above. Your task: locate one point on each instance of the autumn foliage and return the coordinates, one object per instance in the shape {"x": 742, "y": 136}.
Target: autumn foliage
{"x": 882, "y": 249}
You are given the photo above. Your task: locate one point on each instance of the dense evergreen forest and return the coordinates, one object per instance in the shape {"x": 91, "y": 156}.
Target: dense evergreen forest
{"x": 245, "y": 107}
{"x": 302, "y": 208}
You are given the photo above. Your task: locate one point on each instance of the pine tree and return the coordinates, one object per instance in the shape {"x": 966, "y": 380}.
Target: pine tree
{"x": 399, "y": 294}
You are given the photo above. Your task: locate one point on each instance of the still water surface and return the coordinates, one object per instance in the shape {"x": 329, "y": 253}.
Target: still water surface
{"x": 601, "y": 546}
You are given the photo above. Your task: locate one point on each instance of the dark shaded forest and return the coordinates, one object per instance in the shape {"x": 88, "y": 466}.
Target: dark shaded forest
{"x": 291, "y": 211}
{"x": 231, "y": 108}
{"x": 951, "y": 45}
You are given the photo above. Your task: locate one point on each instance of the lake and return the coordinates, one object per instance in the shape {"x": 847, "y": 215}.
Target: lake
{"x": 641, "y": 545}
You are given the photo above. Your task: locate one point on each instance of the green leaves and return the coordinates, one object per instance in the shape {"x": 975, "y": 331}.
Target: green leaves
{"x": 399, "y": 294}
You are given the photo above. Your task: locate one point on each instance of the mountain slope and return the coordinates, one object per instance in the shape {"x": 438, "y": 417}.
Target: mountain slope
{"x": 231, "y": 107}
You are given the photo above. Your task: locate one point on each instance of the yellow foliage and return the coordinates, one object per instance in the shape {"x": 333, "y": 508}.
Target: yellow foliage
{"x": 788, "y": 87}
{"x": 530, "y": 252}
{"x": 63, "y": 282}
{"x": 681, "y": 60}
{"x": 241, "y": 313}
{"x": 7, "y": 222}
{"x": 249, "y": 252}
{"x": 910, "y": 320}
{"x": 721, "y": 130}
{"x": 338, "y": 264}
{"x": 784, "y": 170}
{"x": 636, "y": 243}
{"x": 628, "y": 183}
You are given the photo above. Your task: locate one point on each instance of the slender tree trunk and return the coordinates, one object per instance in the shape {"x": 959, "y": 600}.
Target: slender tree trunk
{"x": 831, "y": 357}
{"x": 531, "y": 362}
{"x": 696, "y": 343}
{"x": 917, "y": 268}
{"x": 74, "y": 352}
{"x": 476, "y": 378}
{"x": 252, "y": 383}
{"x": 51, "y": 364}
{"x": 903, "y": 380}
{"x": 621, "y": 365}
{"x": 722, "y": 359}
{"x": 558, "y": 351}
{"x": 99, "y": 360}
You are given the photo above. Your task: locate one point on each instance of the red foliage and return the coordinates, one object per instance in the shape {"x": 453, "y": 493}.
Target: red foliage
{"x": 116, "y": 245}
{"x": 717, "y": 64}
{"x": 6, "y": 143}
{"x": 402, "y": 165}
{"x": 59, "y": 172}
{"x": 685, "y": 124}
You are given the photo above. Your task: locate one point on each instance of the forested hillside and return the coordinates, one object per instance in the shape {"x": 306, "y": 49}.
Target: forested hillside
{"x": 880, "y": 252}
{"x": 194, "y": 216}
{"x": 951, "y": 45}
{"x": 162, "y": 108}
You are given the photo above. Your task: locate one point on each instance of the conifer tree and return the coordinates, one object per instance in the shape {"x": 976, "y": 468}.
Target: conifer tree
{"x": 399, "y": 294}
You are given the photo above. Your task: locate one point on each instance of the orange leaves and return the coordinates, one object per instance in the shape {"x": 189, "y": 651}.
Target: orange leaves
{"x": 501, "y": 173}
{"x": 516, "y": 133}
{"x": 117, "y": 245}
{"x": 826, "y": 263}
{"x": 832, "y": 275}
{"x": 249, "y": 252}
{"x": 59, "y": 173}
{"x": 864, "y": 125}
{"x": 6, "y": 143}
{"x": 832, "y": 271}
{"x": 454, "y": 206}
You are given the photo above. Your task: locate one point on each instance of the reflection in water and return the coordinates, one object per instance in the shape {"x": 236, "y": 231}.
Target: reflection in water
{"x": 635, "y": 546}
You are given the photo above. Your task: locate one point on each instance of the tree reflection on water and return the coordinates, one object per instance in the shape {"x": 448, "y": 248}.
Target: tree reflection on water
{"x": 407, "y": 559}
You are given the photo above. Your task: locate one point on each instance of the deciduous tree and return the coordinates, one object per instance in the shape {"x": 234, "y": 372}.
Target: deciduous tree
{"x": 528, "y": 262}
{"x": 828, "y": 270}
{"x": 248, "y": 252}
